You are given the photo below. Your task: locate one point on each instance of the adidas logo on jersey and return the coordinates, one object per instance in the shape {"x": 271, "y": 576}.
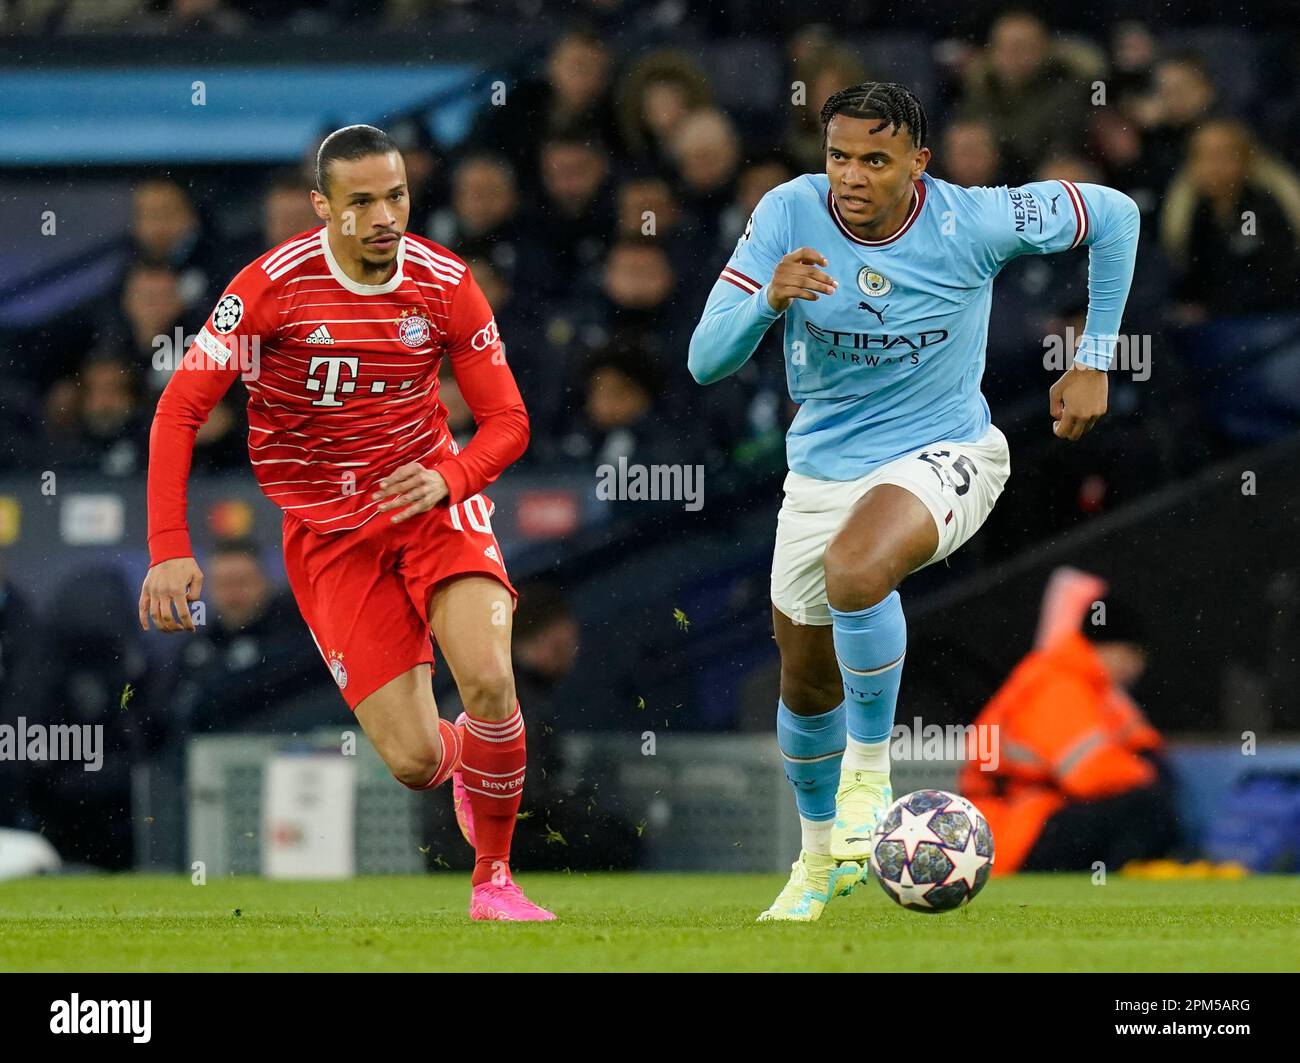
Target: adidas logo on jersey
{"x": 491, "y": 552}
{"x": 320, "y": 335}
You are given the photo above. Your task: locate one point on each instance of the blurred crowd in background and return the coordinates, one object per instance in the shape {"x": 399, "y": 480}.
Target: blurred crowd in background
{"x": 598, "y": 203}
{"x": 596, "y": 207}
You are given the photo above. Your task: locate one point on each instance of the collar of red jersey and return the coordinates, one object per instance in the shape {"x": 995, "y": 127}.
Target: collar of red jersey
{"x": 356, "y": 287}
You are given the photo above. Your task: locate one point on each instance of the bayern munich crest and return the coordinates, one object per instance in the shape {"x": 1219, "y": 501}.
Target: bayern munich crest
{"x": 413, "y": 329}
{"x": 337, "y": 670}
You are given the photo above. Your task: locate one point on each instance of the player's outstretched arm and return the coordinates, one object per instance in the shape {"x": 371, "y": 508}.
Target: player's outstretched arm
{"x": 1112, "y": 223}
{"x": 174, "y": 578}
{"x": 728, "y": 332}
{"x": 741, "y": 306}
{"x": 205, "y": 374}
{"x": 1058, "y": 215}
{"x": 478, "y": 361}
{"x": 735, "y": 318}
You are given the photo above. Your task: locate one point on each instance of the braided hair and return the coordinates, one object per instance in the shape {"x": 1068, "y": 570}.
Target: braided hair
{"x": 892, "y": 103}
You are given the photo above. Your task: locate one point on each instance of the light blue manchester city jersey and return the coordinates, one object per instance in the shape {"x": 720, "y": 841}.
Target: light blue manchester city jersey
{"x": 892, "y": 361}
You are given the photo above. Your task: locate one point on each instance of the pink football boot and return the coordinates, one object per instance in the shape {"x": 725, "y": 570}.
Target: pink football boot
{"x": 502, "y": 900}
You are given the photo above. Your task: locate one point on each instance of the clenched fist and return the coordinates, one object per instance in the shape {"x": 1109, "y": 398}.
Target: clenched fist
{"x": 167, "y": 585}
{"x": 1077, "y": 401}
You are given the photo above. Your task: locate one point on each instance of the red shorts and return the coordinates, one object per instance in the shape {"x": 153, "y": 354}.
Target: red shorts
{"x": 365, "y": 593}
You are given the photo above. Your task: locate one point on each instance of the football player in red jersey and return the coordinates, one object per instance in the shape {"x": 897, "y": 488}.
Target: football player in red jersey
{"x": 338, "y": 334}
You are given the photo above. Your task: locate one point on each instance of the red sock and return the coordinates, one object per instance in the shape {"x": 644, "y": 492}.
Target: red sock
{"x": 451, "y": 754}
{"x": 492, "y": 769}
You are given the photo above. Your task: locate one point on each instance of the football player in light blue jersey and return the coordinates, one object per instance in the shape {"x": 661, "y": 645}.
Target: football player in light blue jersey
{"x": 884, "y": 276}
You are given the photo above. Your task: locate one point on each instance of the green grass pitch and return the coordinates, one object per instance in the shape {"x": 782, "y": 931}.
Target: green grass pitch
{"x": 641, "y": 922}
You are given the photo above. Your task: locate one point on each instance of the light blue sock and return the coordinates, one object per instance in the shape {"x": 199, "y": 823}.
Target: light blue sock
{"x": 869, "y": 645}
{"x": 811, "y": 748}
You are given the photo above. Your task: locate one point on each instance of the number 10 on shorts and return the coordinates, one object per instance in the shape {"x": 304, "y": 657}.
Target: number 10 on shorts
{"x": 476, "y": 511}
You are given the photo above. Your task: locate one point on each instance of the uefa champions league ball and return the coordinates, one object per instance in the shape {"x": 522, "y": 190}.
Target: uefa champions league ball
{"x": 932, "y": 851}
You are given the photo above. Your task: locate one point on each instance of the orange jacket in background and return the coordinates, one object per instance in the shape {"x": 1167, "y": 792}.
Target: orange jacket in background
{"x": 1064, "y": 733}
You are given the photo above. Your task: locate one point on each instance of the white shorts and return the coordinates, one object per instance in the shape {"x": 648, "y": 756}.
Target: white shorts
{"x": 958, "y": 482}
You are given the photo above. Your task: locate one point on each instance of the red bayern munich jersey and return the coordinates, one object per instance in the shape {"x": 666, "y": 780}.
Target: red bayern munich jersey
{"x": 342, "y": 379}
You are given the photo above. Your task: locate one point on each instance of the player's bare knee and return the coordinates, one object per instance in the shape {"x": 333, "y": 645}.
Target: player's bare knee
{"x": 417, "y": 769}
{"x": 856, "y": 578}
{"x": 489, "y": 694}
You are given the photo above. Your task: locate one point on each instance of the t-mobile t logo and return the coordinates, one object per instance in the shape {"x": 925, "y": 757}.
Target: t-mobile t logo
{"x": 334, "y": 365}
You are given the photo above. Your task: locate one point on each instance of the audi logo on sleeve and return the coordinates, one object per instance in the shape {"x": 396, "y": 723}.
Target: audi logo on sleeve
{"x": 486, "y": 336}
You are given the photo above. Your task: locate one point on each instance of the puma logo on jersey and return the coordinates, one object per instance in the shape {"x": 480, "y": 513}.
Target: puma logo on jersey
{"x": 320, "y": 334}
{"x": 880, "y": 314}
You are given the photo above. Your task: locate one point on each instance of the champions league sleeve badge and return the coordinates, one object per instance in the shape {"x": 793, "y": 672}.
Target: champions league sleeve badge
{"x": 228, "y": 314}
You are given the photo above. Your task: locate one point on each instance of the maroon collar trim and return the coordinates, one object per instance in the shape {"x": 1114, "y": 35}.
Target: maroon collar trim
{"x": 919, "y": 189}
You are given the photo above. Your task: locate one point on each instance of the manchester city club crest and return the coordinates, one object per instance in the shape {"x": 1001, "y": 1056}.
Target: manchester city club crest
{"x": 413, "y": 329}
{"x": 873, "y": 283}
{"x": 337, "y": 670}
